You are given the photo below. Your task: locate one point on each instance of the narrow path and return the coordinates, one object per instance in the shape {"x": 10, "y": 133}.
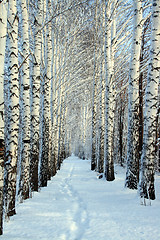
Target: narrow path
{"x": 77, "y": 205}
{"x": 77, "y": 211}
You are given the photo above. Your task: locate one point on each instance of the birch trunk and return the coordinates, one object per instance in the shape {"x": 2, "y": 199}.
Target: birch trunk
{"x": 93, "y": 157}
{"x": 57, "y": 120}
{"x": 49, "y": 75}
{"x": 46, "y": 125}
{"x": 13, "y": 109}
{"x": 60, "y": 135}
{"x": 60, "y": 107}
{"x": 60, "y": 51}
{"x": 53, "y": 165}
{"x": 133, "y": 105}
{"x": 3, "y": 31}
{"x": 35, "y": 109}
{"x": 109, "y": 114}
{"x": 61, "y": 138}
{"x": 101, "y": 125}
{"x": 141, "y": 105}
{"x": 101, "y": 107}
{"x": 55, "y": 104}
{"x": 25, "y": 152}
{"x": 93, "y": 148}
{"x": 148, "y": 159}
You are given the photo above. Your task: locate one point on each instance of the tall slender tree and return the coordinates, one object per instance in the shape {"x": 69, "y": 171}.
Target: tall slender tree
{"x": 46, "y": 130}
{"x": 35, "y": 108}
{"x": 25, "y": 151}
{"x": 102, "y": 95}
{"x": 133, "y": 102}
{"x": 109, "y": 165}
{"x": 3, "y": 31}
{"x": 53, "y": 34}
{"x": 149, "y": 157}
{"x": 13, "y": 109}
{"x": 94, "y": 98}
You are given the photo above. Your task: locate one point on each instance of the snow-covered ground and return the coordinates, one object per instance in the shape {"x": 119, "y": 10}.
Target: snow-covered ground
{"x": 77, "y": 205}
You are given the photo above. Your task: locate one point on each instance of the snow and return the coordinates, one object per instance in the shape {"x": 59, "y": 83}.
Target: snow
{"x": 77, "y": 205}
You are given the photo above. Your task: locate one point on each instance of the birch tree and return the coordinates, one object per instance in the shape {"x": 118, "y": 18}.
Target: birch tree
{"x": 101, "y": 120}
{"x": 133, "y": 105}
{"x": 35, "y": 108}
{"x": 25, "y": 151}
{"x": 53, "y": 34}
{"x": 13, "y": 109}
{"x": 148, "y": 159}
{"x": 46, "y": 122}
{"x": 94, "y": 98}
{"x": 3, "y": 31}
{"x": 101, "y": 37}
{"x": 109, "y": 112}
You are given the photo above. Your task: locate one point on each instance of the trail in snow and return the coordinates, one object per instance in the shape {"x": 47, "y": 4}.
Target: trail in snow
{"x": 77, "y": 211}
{"x": 78, "y": 206}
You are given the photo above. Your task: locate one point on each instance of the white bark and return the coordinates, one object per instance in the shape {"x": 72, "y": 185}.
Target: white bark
{"x": 45, "y": 172}
{"x": 13, "y": 108}
{"x": 25, "y": 151}
{"x": 60, "y": 96}
{"x": 3, "y": 30}
{"x": 35, "y": 109}
{"x": 109, "y": 100}
{"x": 133, "y": 95}
{"x": 148, "y": 159}
{"x": 93, "y": 149}
{"x": 54, "y": 126}
{"x": 53, "y": 167}
{"x": 94, "y": 96}
{"x": 101, "y": 111}
{"x": 49, "y": 76}
{"x": 57, "y": 103}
